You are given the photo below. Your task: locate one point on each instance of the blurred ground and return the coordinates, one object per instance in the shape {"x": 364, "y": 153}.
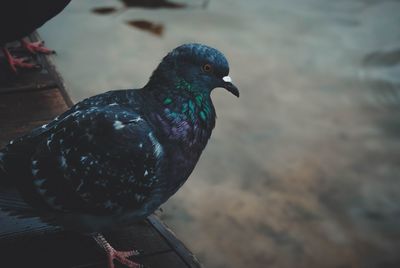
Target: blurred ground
{"x": 303, "y": 169}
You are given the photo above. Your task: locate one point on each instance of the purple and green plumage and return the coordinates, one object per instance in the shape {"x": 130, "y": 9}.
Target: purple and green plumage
{"x": 116, "y": 157}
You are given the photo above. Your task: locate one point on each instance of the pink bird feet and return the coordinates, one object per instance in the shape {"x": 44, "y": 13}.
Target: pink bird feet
{"x": 112, "y": 254}
{"x": 122, "y": 257}
{"x": 24, "y": 63}
{"x": 36, "y": 47}
{"x": 16, "y": 63}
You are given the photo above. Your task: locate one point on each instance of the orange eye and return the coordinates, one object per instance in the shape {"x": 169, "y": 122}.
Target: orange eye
{"x": 207, "y": 68}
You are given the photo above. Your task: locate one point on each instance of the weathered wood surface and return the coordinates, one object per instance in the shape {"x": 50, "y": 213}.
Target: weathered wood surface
{"x": 31, "y": 99}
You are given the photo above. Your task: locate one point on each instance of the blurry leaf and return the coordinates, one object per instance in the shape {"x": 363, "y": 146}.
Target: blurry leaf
{"x": 152, "y": 4}
{"x": 156, "y": 29}
{"x": 104, "y": 10}
{"x": 382, "y": 58}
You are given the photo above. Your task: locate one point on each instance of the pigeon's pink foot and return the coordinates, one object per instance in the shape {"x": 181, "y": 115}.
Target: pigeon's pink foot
{"x": 122, "y": 257}
{"x": 16, "y": 63}
{"x": 36, "y": 47}
{"x": 112, "y": 254}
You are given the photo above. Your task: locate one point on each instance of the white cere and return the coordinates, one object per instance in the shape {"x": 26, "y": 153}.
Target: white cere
{"x": 227, "y": 79}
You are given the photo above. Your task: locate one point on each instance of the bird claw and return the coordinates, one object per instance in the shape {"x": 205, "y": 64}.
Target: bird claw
{"x": 113, "y": 254}
{"x": 24, "y": 63}
{"x": 123, "y": 257}
{"x": 36, "y": 47}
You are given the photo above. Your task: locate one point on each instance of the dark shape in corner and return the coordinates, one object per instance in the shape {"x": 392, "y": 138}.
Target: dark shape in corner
{"x": 152, "y": 4}
{"x": 154, "y": 28}
{"x": 104, "y": 10}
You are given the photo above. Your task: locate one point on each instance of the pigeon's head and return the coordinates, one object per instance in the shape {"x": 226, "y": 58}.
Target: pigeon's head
{"x": 200, "y": 67}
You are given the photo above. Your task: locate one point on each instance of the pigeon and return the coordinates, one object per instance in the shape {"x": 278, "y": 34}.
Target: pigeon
{"x": 19, "y": 18}
{"x": 114, "y": 158}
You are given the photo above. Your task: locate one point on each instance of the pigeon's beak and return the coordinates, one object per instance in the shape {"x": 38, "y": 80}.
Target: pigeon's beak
{"x": 227, "y": 84}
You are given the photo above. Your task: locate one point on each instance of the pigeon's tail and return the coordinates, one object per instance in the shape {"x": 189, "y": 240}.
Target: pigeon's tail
{"x": 13, "y": 205}
{"x": 10, "y": 201}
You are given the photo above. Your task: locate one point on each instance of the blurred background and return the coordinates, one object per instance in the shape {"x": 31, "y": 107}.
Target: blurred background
{"x": 303, "y": 170}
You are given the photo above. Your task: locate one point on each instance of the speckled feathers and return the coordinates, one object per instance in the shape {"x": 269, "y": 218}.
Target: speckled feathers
{"x": 119, "y": 155}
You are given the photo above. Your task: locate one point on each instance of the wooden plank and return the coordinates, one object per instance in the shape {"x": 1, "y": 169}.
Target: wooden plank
{"x": 46, "y": 245}
{"x": 47, "y": 61}
{"x": 162, "y": 260}
{"x": 176, "y": 245}
{"x": 39, "y": 105}
{"x": 40, "y": 82}
{"x": 20, "y": 112}
{"x": 139, "y": 235}
{"x": 38, "y": 239}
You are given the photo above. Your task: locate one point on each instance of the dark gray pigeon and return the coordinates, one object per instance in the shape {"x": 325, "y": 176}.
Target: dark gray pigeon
{"x": 116, "y": 157}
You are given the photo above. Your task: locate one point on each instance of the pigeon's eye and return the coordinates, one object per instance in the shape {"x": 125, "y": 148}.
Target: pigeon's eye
{"x": 207, "y": 68}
